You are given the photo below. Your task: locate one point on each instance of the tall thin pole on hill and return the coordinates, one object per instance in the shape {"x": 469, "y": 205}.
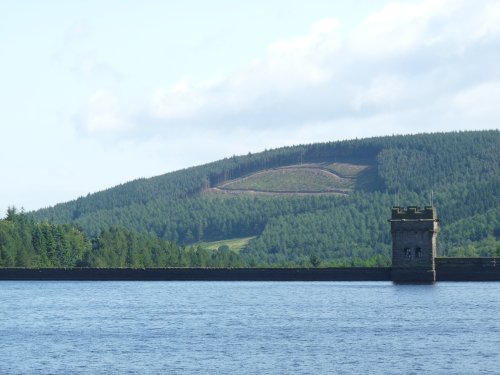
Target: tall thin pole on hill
{"x": 396, "y": 199}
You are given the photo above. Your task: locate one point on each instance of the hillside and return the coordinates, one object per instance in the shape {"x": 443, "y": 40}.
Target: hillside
{"x": 327, "y": 200}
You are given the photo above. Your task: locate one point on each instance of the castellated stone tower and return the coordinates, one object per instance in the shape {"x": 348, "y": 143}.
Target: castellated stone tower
{"x": 414, "y": 233}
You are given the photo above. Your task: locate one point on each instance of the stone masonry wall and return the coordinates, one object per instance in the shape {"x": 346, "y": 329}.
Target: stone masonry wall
{"x": 413, "y": 237}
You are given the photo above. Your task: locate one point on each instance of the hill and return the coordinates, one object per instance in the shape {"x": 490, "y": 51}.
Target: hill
{"x": 326, "y": 201}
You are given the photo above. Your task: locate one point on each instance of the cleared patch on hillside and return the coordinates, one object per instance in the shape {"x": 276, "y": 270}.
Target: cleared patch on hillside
{"x": 346, "y": 170}
{"x": 327, "y": 178}
{"x": 234, "y": 244}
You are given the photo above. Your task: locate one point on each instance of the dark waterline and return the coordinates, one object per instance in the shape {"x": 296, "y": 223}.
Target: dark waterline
{"x": 248, "y": 327}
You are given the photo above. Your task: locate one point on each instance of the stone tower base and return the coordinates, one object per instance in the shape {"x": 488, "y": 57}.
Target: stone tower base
{"x": 414, "y": 276}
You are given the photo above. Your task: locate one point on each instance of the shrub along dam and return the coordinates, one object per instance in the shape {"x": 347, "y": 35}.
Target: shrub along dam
{"x": 414, "y": 240}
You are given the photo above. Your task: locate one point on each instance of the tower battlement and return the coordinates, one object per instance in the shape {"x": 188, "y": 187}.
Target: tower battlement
{"x": 414, "y": 213}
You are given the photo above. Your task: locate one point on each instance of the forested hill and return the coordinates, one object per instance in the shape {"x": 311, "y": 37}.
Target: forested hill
{"x": 326, "y": 201}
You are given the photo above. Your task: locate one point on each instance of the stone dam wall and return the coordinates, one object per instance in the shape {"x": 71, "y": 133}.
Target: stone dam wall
{"x": 198, "y": 274}
{"x": 447, "y": 269}
{"x": 468, "y": 269}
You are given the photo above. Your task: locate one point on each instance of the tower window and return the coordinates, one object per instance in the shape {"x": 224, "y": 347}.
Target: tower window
{"x": 418, "y": 252}
{"x": 408, "y": 253}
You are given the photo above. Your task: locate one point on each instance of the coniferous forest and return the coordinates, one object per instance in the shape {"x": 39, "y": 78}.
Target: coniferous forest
{"x": 166, "y": 220}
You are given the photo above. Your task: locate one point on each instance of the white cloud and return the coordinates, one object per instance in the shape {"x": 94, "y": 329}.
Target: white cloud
{"x": 382, "y": 91}
{"x": 91, "y": 68}
{"x": 179, "y": 101}
{"x": 397, "y": 71}
{"x": 398, "y": 28}
{"x": 105, "y": 114}
{"x": 479, "y": 102}
{"x": 288, "y": 66}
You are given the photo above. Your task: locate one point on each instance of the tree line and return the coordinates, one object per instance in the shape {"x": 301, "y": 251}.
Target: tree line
{"x": 26, "y": 243}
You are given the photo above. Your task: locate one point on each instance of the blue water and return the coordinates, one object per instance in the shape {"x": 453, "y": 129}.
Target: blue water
{"x": 248, "y": 328}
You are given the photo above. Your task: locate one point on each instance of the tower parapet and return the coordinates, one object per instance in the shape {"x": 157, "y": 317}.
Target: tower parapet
{"x": 414, "y": 231}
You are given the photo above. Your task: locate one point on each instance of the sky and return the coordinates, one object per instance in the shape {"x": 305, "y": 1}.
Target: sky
{"x": 96, "y": 93}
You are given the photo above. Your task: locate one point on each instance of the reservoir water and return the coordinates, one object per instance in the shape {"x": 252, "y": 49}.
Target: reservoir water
{"x": 249, "y": 328}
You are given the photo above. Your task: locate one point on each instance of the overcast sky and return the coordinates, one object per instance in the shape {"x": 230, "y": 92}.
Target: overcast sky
{"x": 96, "y": 93}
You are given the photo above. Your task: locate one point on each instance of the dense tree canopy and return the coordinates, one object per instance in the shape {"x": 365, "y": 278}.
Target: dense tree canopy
{"x": 24, "y": 243}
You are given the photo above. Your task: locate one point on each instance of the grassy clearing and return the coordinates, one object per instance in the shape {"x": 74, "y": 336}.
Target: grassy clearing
{"x": 291, "y": 180}
{"x": 234, "y": 244}
{"x": 346, "y": 170}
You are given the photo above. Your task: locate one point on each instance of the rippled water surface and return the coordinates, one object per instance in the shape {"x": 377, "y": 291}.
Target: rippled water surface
{"x": 248, "y": 328}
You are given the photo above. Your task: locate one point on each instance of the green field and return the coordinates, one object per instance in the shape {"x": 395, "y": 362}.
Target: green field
{"x": 234, "y": 244}
{"x": 292, "y": 179}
